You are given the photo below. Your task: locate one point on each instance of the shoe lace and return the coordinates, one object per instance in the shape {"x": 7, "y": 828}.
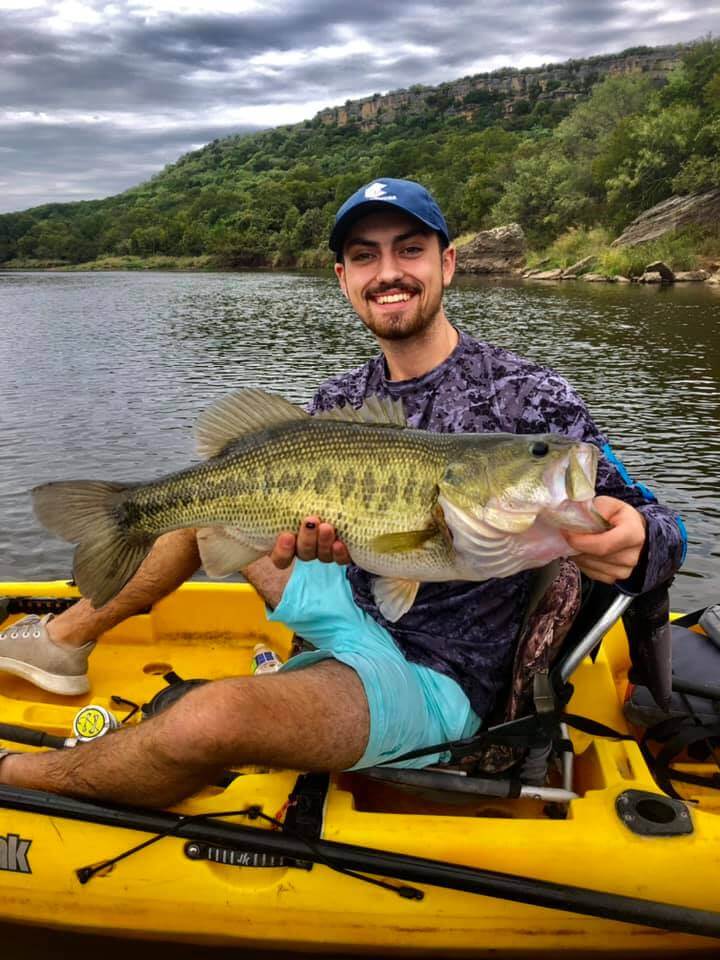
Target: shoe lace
{"x": 27, "y": 626}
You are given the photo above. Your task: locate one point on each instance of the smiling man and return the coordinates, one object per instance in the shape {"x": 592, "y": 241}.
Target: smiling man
{"x": 372, "y": 690}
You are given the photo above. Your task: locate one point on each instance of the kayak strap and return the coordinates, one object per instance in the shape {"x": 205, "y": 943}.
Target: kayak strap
{"x": 676, "y": 736}
{"x": 524, "y": 732}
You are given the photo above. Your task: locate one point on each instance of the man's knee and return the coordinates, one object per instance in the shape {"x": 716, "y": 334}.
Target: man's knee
{"x": 314, "y": 718}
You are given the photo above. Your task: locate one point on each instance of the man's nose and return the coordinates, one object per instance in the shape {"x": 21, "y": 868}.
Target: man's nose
{"x": 389, "y": 269}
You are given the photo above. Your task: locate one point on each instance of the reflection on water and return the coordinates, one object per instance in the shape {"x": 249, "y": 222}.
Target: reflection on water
{"x": 103, "y": 375}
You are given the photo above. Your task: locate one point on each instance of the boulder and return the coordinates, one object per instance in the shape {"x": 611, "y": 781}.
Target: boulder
{"x": 651, "y": 277}
{"x": 685, "y": 276}
{"x": 596, "y": 278}
{"x": 501, "y": 250}
{"x": 657, "y": 266}
{"x": 714, "y": 278}
{"x": 620, "y": 279}
{"x": 673, "y": 214}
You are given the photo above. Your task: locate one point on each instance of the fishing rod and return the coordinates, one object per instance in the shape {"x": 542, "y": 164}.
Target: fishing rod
{"x": 352, "y": 857}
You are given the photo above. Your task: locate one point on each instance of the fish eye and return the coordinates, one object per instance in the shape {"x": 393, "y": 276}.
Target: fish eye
{"x": 539, "y": 448}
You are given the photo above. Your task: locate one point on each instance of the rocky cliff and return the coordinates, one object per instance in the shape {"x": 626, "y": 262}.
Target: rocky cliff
{"x": 505, "y": 91}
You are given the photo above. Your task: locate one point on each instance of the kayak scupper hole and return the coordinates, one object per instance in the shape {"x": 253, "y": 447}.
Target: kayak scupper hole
{"x": 655, "y": 811}
{"x": 157, "y": 668}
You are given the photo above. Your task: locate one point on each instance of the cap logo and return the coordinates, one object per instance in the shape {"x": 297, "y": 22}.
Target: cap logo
{"x": 376, "y": 191}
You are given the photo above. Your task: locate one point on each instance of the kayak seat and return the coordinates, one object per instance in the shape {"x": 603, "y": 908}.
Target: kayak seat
{"x": 510, "y": 755}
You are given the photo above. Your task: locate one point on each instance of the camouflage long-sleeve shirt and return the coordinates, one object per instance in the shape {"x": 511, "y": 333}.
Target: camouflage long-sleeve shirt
{"x": 462, "y": 629}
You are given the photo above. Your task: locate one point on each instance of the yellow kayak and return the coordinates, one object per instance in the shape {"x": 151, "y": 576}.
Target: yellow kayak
{"x": 278, "y": 860}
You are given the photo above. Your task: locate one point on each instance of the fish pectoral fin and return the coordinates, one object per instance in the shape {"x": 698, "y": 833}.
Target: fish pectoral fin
{"x": 393, "y": 596}
{"x": 223, "y": 551}
{"x": 403, "y": 541}
{"x": 242, "y": 412}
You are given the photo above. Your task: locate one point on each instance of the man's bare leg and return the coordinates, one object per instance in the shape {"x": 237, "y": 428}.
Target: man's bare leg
{"x": 315, "y": 718}
{"x": 173, "y": 559}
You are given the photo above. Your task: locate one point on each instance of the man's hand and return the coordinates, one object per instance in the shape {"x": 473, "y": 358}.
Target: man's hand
{"x": 314, "y": 541}
{"x": 612, "y": 555}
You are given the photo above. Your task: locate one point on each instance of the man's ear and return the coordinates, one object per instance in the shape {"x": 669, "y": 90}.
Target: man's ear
{"x": 340, "y": 274}
{"x": 448, "y": 257}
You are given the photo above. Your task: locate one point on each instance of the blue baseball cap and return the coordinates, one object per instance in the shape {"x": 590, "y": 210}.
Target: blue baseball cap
{"x": 405, "y": 195}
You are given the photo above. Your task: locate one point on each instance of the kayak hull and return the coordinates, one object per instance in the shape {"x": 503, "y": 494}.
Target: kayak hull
{"x": 208, "y": 631}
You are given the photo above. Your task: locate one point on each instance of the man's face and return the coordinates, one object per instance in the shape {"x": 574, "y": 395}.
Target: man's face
{"x": 394, "y": 274}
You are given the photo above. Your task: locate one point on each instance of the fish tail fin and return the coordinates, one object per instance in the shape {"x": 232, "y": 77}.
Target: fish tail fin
{"x": 85, "y": 512}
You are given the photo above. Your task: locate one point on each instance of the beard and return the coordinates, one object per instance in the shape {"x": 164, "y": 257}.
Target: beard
{"x": 404, "y": 324}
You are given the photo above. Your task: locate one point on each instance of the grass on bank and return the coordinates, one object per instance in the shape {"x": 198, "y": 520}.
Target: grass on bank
{"x": 115, "y": 263}
{"x": 690, "y": 249}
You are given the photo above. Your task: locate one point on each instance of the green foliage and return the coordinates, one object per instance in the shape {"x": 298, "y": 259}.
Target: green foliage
{"x": 572, "y": 246}
{"x": 594, "y": 153}
{"x": 678, "y": 250}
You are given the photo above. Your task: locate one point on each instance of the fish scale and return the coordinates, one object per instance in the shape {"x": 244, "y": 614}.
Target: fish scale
{"x": 339, "y": 472}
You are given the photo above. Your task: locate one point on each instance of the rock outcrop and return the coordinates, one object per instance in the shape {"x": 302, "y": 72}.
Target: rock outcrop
{"x": 671, "y": 215}
{"x": 500, "y": 250}
{"x": 502, "y": 91}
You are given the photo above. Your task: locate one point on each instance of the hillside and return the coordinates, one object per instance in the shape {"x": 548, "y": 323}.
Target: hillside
{"x": 578, "y": 145}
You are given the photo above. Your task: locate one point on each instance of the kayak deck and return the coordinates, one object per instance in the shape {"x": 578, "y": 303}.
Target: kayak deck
{"x": 208, "y": 631}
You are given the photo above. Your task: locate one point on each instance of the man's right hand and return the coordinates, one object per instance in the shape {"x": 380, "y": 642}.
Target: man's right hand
{"x": 313, "y": 541}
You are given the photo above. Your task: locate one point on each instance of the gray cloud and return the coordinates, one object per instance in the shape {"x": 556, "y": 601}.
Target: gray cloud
{"x": 48, "y": 163}
{"x": 188, "y": 78}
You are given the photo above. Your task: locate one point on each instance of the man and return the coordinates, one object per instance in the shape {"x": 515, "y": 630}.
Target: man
{"x": 372, "y": 690}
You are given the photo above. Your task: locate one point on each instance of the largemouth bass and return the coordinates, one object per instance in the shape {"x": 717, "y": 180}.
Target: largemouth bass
{"x": 410, "y": 505}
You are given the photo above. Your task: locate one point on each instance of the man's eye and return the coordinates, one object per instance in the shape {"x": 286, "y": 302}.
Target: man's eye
{"x": 361, "y": 257}
{"x": 412, "y": 251}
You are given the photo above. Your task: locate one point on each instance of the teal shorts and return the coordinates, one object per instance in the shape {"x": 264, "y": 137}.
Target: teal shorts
{"x": 411, "y": 706}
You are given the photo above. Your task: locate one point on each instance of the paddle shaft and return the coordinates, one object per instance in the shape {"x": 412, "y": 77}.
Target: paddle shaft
{"x": 507, "y": 886}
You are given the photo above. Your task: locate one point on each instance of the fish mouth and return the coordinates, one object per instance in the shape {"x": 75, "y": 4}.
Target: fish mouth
{"x": 581, "y": 472}
{"x": 573, "y": 509}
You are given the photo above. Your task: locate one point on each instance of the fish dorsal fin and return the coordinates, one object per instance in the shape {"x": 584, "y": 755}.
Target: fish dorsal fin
{"x": 374, "y": 410}
{"x": 239, "y": 413}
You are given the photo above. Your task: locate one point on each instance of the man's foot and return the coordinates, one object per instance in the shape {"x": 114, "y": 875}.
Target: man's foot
{"x": 27, "y": 651}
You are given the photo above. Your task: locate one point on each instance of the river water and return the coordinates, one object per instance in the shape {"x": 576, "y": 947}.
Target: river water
{"x": 103, "y": 375}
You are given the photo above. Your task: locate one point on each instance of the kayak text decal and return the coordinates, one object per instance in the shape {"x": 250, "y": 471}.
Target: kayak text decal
{"x": 14, "y": 854}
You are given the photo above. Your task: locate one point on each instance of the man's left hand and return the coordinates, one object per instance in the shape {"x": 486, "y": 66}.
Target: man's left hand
{"x": 613, "y": 554}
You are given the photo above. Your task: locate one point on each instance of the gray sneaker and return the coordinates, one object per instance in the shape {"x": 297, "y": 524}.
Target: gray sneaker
{"x": 27, "y": 651}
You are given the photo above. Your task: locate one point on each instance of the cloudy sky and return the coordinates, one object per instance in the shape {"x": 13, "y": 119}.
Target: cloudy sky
{"x": 97, "y": 96}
